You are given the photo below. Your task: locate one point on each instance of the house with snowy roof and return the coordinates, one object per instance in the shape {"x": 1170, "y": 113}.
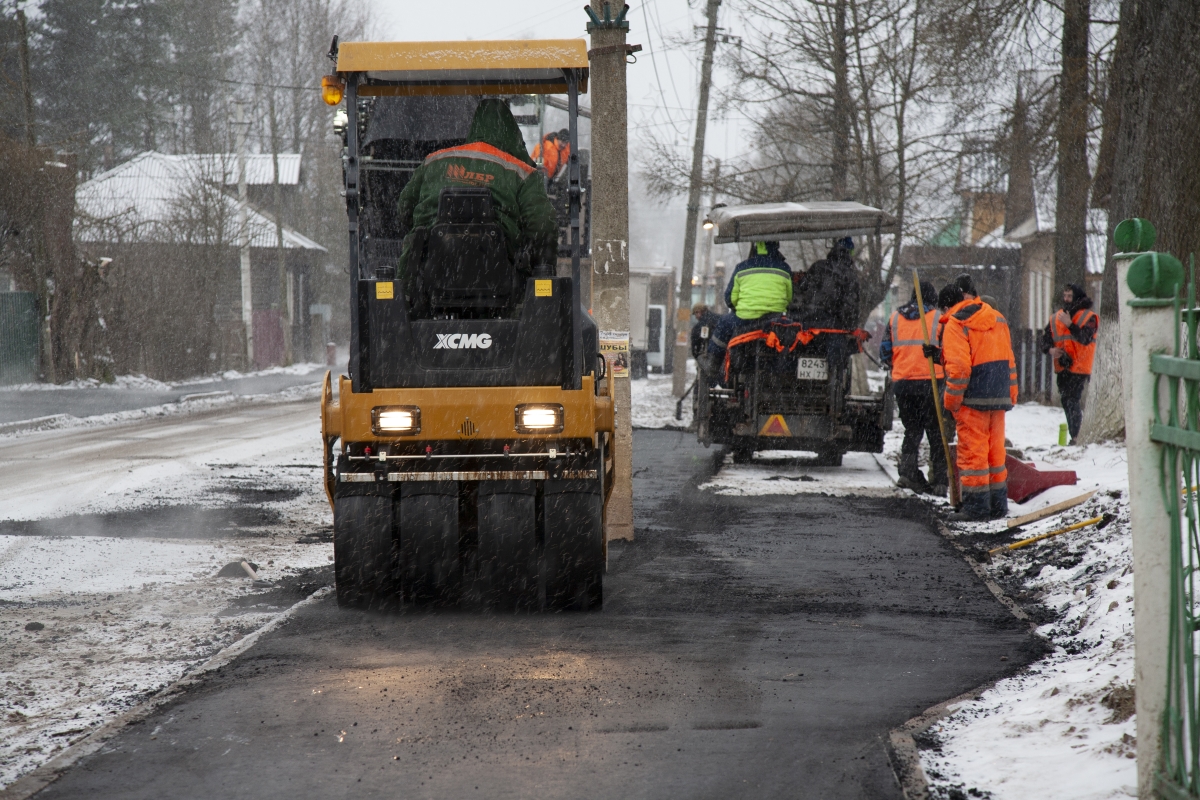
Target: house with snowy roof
{"x": 170, "y": 227}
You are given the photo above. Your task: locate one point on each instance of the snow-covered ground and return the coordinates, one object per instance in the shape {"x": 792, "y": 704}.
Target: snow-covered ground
{"x": 653, "y": 404}
{"x": 91, "y": 625}
{"x": 142, "y": 382}
{"x": 1063, "y": 727}
{"x": 189, "y": 404}
{"x": 787, "y": 472}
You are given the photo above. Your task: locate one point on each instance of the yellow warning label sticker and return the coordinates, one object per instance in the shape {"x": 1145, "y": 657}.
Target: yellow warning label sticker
{"x": 383, "y": 290}
{"x": 543, "y": 288}
{"x": 775, "y": 426}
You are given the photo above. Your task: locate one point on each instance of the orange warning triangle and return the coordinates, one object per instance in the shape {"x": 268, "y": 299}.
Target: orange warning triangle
{"x": 775, "y": 426}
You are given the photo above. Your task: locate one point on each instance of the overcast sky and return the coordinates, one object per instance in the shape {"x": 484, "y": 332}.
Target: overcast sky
{"x": 663, "y": 84}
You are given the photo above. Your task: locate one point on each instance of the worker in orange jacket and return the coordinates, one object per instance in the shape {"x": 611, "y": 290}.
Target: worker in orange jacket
{"x": 564, "y": 148}
{"x": 1070, "y": 339}
{"x": 548, "y": 151}
{"x": 901, "y": 351}
{"x": 981, "y": 386}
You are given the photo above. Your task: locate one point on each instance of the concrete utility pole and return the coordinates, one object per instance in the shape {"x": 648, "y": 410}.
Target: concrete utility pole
{"x": 841, "y": 105}
{"x": 610, "y": 233}
{"x": 285, "y": 279}
{"x": 244, "y": 235}
{"x": 683, "y": 310}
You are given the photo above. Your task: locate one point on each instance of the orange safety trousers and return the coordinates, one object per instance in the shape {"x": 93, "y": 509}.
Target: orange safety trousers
{"x": 981, "y": 452}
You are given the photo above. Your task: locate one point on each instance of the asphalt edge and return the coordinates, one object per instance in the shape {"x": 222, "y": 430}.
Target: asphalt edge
{"x": 901, "y": 742}
{"x": 33, "y": 782}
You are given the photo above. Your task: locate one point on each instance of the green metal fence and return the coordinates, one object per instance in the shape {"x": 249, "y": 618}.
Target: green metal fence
{"x": 1177, "y": 394}
{"x": 18, "y": 337}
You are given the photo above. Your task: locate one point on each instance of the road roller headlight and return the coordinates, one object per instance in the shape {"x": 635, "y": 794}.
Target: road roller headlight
{"x": 539, "y": 418}
{"x": 393, "y": 420}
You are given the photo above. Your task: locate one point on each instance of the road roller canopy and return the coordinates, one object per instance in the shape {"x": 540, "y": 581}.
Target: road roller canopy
{"x": 536, "y": 66}
{"x": 792, "y": 221}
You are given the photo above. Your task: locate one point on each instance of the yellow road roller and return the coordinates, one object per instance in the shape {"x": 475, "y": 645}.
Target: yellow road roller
{"x": 468, "y": 451}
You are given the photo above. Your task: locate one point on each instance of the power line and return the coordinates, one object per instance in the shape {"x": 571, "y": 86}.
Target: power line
{"x": 653, "y": 59}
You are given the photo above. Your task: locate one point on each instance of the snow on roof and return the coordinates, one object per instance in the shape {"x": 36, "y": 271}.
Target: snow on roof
{"x": 794, "y": 221}
{"x": 146, "y": 194}
{"x": 1043, "y": 219}
{"x": 996, "y": 238}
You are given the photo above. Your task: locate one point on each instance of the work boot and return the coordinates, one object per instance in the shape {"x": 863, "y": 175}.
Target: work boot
{"x": 999, "y": 503}
{"x": 939, "y": 483}
{"x": 976, "y": 507}
{"x": 910, "y": 475}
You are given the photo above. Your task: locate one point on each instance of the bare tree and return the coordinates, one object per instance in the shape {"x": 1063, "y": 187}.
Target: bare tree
{"x": 286, "y": 54}
{"x": 1149, "y": 161}
{"x": 854, "y": 98}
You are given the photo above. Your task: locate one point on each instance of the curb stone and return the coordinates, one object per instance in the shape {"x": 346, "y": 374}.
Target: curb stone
{"x": 901, "y": 742}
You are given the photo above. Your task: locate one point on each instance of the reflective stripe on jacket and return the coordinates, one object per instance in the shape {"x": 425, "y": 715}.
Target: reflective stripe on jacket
{"x": 759, "y": 285}
{"x": 906, "y": 338}
{"x": 1081, "y": 355}
{"x": 518, "y": 190}
{"x": 977, "y": 353}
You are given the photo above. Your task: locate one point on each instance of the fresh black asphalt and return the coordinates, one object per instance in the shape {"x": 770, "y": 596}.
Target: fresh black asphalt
{"x": 754, "y": 647}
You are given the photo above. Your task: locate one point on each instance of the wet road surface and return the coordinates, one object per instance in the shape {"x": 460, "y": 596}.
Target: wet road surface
{"x": 748, "y": 647}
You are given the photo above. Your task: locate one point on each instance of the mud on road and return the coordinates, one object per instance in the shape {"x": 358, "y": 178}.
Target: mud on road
{"x": 748, "y": 647}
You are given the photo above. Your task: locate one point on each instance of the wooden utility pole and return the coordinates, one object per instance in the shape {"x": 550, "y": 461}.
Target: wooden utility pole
{"x": 683, "y": 309}
{"x": 1074, "y": 183}
{"x": 841, "y": 106}
{"x": 610, "y": 234}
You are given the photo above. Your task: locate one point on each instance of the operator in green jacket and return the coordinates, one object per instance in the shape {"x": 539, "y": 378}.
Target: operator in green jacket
{"x": 494, "y": 156}
{"x": 759, "y": 290}
{"x": 762, "y": 284}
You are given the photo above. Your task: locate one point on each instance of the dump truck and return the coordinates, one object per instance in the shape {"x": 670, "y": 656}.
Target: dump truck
{"x": 785, "y": 383}
{"x": 468, "y": 450}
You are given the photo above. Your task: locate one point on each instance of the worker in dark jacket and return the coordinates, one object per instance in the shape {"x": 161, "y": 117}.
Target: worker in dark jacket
{"x": 1070, "y": 339}
{"x": 902, "y": 351}
{"x": 706, "y": 321}
{"x": 827, "y": 295}
{"x": 494, "y": 156}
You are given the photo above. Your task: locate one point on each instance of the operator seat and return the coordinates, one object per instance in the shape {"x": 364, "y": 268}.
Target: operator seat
{"x": 462, "y": 267}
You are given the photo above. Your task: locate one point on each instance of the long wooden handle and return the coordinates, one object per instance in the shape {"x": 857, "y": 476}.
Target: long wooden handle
{"x": 1032, "y": 539}
{"x": 951, "y": 467}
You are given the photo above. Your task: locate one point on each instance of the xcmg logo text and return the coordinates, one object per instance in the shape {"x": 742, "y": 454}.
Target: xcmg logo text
{"x": 463, "y": 341}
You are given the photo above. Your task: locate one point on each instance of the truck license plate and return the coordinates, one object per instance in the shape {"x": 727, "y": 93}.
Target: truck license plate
{"x": 812, "y": 369}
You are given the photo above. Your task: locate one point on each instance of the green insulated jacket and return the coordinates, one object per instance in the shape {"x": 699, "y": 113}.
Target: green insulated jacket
{"x": 760, "y": 285}
{"x": 494, "y": 157}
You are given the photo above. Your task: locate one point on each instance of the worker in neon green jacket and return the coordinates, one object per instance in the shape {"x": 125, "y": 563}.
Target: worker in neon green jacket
{"x": 759, "y": 290}
{"x": 762, "y": 284}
